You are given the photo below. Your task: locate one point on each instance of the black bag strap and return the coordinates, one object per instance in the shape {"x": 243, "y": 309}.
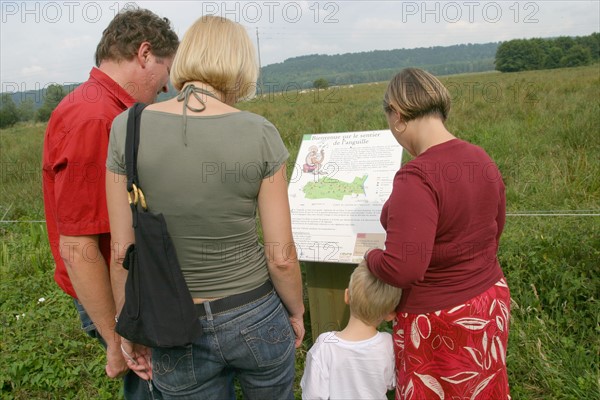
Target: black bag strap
{"x": 132, "y": 142}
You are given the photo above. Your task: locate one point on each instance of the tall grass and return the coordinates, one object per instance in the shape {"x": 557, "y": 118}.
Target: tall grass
{"x": 541, "y": 127}
{"x": 21, "y": 178}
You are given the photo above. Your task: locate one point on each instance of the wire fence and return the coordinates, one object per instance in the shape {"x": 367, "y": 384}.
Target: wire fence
{"x": 533, "y": 213}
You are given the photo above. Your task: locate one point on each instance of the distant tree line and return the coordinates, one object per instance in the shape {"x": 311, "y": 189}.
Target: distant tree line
{"x": 381, "y": 75}
{"x": 10, "y": 113}
{"x": 531, "y": 54}
{"x": 375, "y": 66}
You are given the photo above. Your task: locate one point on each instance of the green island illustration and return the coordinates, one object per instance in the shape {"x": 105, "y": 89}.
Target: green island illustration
{"x": 329, "y": 188}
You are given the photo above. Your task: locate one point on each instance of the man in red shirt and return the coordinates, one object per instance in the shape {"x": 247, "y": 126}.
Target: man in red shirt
{"x": 133, "y": 62}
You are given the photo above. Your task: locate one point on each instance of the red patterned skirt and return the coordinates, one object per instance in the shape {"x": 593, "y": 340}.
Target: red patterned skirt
{"x": 457, "y": 353}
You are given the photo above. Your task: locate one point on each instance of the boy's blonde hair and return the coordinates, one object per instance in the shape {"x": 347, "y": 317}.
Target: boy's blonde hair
{"x": 371, "y": 299}
{"x": 218, "y": 52}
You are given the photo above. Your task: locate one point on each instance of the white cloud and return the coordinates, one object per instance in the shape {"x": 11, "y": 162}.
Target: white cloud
{"x": 32, "y": 70}
{"x": 76, "y": 41}
{"x": 377, "y": 24}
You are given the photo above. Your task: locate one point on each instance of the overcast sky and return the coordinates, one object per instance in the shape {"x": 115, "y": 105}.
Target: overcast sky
{"x": 54, "y": 41}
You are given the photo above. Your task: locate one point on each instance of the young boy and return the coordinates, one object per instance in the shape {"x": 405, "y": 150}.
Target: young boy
{"x": 357, "y": 362}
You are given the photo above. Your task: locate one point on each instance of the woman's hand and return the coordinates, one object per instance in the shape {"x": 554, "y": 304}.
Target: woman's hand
{"x": 139, "y": 358}
{"x": 298, "y": 327}
{"x": 366, "y": 255}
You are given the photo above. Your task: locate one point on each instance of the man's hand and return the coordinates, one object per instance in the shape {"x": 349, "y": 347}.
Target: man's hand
{"x": 116, "y": 366}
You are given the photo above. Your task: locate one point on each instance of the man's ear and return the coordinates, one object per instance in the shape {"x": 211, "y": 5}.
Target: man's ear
{"x": 143, "y": 53}
{"x": 346, "y": 296}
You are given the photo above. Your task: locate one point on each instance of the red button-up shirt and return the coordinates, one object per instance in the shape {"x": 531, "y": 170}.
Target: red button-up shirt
{"x": 74, "y": 156}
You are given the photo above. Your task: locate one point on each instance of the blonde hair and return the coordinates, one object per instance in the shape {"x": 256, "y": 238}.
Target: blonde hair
{"x": 414, "y": 93}
{"x": 219, "y": 53}
{"x": 371, "y": 299}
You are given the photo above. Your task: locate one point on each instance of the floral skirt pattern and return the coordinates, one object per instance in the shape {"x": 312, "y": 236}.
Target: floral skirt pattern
{"x": 457, "y": 353}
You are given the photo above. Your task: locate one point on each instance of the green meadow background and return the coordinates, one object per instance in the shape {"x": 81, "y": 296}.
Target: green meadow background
{"x": 542, "y": 129}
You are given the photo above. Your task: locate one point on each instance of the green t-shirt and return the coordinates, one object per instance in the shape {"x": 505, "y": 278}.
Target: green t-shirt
{"x": 207, "y": 191}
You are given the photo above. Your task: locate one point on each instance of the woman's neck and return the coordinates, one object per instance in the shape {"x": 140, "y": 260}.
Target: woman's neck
{"x": 424, "y": 133}
{"x": 219, "y": 95}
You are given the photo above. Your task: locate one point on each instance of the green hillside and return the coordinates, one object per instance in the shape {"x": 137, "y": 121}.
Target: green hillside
{"x": 378, "y": 65}
{"x": 373, "y": 66}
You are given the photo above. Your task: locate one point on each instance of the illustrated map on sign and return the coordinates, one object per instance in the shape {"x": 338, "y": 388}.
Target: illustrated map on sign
{"x": 329, "y": 188}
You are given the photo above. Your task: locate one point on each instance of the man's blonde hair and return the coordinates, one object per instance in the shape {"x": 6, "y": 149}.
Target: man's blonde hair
{"x": 218, "y": 52}
{"x": 370, "y": 298}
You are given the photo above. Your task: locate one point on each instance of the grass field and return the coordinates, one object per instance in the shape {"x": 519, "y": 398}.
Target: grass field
{"x": 541, "y": 127}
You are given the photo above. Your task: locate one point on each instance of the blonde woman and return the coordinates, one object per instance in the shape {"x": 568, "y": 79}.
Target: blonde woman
{"x": 208, "y": 167}
{"x": 443, "y": 221}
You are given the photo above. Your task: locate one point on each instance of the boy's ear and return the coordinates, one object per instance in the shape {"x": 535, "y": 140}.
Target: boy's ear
{"x": 390, "y": 316}
{"x": 346, "y": 296}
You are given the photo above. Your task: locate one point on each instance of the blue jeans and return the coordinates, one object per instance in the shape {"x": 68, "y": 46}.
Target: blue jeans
{"x": 254, "y": 342}
{"x": 134, "y": 388}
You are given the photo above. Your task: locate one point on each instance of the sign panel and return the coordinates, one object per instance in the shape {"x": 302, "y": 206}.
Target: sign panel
{"x": 338, "y": 187}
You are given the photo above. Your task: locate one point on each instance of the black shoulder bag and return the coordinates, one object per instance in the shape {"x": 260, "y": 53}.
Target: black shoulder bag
{"x": 158, "y": 310}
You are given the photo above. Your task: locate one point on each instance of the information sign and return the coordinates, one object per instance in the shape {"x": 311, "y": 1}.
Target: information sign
{"x": 337, "y": 189}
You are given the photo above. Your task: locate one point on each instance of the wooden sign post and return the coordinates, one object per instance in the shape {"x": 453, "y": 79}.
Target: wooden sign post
{"x": 326, "y": 283}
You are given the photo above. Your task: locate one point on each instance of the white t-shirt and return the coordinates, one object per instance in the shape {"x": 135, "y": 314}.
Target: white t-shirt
{"x": 340, "y": 369}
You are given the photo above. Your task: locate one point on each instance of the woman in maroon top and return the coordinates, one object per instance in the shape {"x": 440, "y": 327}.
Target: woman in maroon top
{"x": 443, "y": 223}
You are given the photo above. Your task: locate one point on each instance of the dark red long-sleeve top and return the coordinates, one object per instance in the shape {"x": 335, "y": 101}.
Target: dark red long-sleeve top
{"x": 443, "y": 222}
